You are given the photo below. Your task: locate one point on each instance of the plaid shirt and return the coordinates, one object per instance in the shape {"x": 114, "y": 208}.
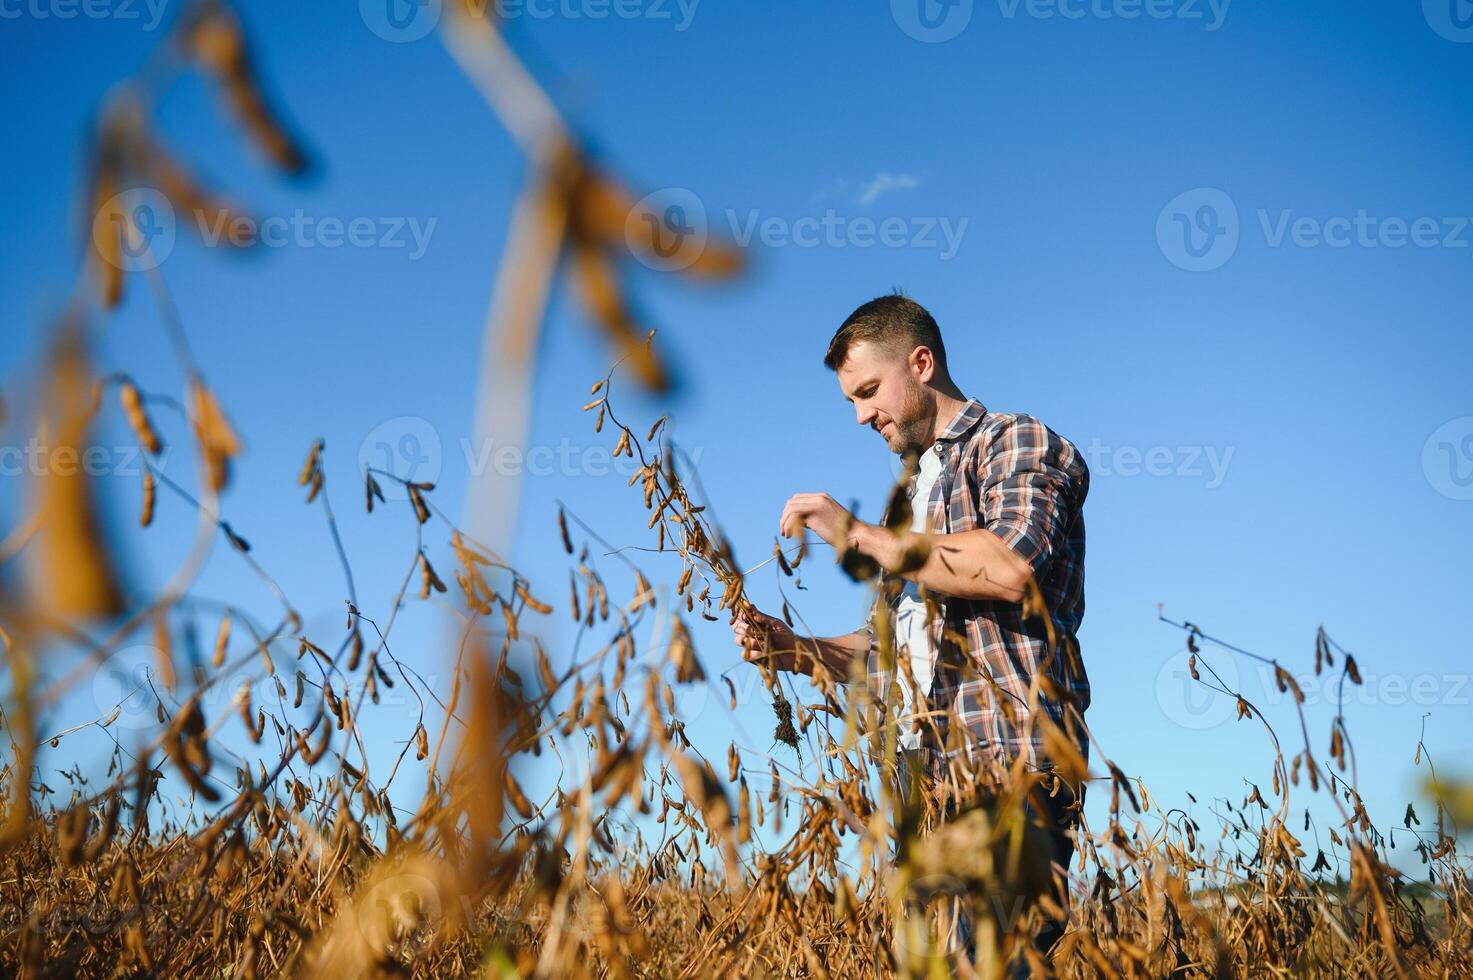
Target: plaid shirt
{"x": 1022, "y": 481}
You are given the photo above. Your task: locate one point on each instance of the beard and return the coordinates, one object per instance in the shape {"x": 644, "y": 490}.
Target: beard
{"x": 913, "y": 424}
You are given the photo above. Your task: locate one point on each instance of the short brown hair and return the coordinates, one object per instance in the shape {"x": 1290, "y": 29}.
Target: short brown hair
{"x": 895, "y": 322}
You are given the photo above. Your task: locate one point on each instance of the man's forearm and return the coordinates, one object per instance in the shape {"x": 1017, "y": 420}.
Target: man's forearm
{"x": 969, "y": 565}
{"x": 836, "y": 653}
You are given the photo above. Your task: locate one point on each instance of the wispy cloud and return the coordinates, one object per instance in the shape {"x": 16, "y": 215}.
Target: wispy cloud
{"x": 883, "y": 183}
{"x": 864, "y": 193}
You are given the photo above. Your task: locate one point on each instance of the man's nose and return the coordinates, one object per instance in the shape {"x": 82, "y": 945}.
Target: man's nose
{"x": 863, "y": 414}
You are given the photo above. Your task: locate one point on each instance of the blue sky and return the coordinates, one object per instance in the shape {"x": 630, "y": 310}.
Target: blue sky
{"x": 1276, "y": 414}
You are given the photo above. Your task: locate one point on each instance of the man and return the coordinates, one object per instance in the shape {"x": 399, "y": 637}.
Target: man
{"x": 1000, "y": 496}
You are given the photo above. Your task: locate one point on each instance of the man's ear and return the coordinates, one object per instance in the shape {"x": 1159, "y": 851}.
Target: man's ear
{"x": 923, "y": 363}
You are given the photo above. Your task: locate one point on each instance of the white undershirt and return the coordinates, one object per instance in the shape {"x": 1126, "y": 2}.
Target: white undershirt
{"x": 911, "y": 635}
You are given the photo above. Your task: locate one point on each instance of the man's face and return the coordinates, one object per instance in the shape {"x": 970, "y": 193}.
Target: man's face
{"x": 889, "y": 395}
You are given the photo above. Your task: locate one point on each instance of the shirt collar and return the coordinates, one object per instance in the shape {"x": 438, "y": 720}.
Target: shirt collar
{"x": 964, "y": 421}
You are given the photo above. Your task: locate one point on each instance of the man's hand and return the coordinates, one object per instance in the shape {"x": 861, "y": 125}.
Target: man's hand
{"x": 768, "y": 640}
{"x": 764, "y": 638}
{"x": 820, "y": 513}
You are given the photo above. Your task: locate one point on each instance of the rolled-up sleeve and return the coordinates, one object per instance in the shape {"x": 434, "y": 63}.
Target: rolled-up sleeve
{"x": 1033, "y": 484}
{"x": 868, "y": 629}
{"x": 875, "y": 677}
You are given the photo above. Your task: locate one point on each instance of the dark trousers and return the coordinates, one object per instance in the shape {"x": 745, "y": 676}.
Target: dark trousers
{"x": 1059, "y": 815}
